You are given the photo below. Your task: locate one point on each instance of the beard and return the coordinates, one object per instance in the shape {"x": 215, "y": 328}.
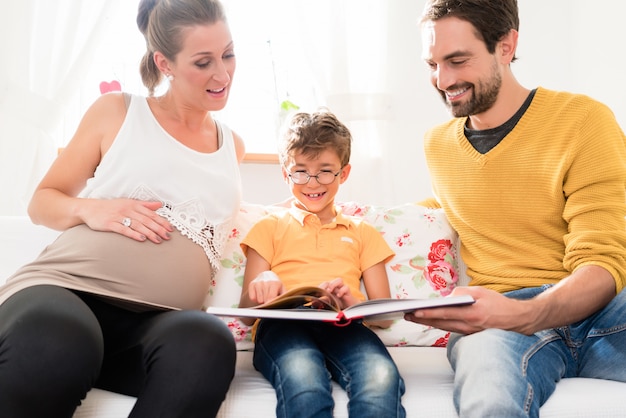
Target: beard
{"x": 484, "y": 95}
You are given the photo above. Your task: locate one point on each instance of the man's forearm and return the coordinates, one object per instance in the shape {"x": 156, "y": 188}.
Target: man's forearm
{"x": 574, "y": 298}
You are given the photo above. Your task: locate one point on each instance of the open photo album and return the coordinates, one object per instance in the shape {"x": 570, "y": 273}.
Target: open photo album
{"x": 314, "y": 303}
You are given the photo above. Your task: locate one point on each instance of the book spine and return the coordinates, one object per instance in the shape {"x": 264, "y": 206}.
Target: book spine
{"x": 342, "y": 320}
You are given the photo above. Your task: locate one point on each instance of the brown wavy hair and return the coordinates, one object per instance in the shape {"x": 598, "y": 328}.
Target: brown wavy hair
{"x": 162, "y": 23}
{"x": 313, "y": 133}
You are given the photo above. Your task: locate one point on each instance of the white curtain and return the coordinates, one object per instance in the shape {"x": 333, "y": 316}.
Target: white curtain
{"x": 346, "y": 44}
{"x": 45, "y": 45}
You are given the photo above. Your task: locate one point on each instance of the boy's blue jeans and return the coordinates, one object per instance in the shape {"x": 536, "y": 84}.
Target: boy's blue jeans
{"x": 506, "y": 374}
{"x": 299, "y": 358}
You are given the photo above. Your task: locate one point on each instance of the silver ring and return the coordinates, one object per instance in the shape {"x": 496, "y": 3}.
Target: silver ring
{"x": 126, "y": 222}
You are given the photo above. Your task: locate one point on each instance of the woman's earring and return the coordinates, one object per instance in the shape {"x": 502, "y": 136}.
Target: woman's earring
{"x": 170, "y": 77}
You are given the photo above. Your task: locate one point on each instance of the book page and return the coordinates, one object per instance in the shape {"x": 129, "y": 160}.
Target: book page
{"x": 304, "y": 296}
{"x": 390, "y": 307}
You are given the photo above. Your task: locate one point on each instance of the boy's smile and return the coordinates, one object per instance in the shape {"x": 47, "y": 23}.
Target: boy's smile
{"x": 313, "y": 196}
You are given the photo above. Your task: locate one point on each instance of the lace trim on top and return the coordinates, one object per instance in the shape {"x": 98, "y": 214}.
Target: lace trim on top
{"x": 189, "y": 219}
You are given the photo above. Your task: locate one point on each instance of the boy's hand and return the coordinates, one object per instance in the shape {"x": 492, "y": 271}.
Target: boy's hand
{"x": 265, "y": 287}
{"x": 338, "y": 288}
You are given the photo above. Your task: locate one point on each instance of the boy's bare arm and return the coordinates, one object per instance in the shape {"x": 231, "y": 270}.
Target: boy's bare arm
{"x": 377, "y": 287}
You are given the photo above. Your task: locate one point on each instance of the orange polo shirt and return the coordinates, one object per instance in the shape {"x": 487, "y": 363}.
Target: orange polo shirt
{"x": 303, "y": 252}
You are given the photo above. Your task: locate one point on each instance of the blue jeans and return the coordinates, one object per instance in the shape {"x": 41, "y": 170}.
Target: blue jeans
{"x": 506, "y": 374}
{"x": 299, "y": 358}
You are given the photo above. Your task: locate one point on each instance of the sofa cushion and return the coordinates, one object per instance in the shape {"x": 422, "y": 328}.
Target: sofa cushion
{"x": 23, "y": 242}
{"x": 428, "y": 378}
{"x": 426, "y": 264}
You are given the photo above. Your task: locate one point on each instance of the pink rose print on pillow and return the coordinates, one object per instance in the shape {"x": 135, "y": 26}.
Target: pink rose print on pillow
{"x": 439, "y": 249}
{"x": 238, "y": 330}
{"x": 234, "y": 234}
{"x": 353, "y": 209}
{"x": 404, "y": 239}
{"x": 442, "y": 342}
{"x": 440, "y": 272}
{"x": 441, "y": 277}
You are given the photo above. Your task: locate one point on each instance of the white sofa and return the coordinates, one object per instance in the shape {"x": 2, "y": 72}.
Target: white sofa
{"x": 414, "y": 233}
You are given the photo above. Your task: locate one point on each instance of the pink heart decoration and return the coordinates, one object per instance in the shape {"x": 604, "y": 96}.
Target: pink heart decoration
{"x": 106, "y": 87}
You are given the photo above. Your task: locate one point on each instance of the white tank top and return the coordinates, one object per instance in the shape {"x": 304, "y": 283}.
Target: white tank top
{"x": 200, "y": 192}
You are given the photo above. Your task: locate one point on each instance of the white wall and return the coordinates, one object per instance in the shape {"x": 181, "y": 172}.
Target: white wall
{"x": 573, "y": 45}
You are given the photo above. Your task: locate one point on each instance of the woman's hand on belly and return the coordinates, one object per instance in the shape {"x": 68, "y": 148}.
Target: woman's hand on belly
{"x": 135, "y": 219}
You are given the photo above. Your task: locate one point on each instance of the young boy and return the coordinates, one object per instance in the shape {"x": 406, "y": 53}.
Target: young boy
{"x": 313, "y": 244}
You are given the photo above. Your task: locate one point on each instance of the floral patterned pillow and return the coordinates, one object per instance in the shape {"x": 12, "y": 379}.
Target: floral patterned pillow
{"x": 426, "y": 265}
{"x": 229, "y": 279}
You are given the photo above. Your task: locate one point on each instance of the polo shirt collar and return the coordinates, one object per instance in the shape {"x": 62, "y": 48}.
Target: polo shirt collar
{"x": 300, "y": 215}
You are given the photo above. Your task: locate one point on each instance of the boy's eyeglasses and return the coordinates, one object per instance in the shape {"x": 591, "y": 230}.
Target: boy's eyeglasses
{"x": 323, "y": 177}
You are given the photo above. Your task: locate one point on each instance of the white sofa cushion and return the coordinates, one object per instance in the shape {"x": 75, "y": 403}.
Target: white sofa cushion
{"x": 21, "y": 243}
{"x": 428, "y": 379}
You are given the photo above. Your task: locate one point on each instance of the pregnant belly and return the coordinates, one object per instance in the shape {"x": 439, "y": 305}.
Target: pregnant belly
{"x": 175, "y": 273}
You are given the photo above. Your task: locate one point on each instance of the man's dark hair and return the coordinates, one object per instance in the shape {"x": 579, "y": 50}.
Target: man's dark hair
{"x": 492, "y": 19}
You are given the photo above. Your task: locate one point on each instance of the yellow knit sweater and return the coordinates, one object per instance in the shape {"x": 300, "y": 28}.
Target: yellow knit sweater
{"x": 546, "y": 200}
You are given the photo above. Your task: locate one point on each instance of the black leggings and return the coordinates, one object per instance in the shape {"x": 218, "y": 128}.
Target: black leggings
{"x": 56, "y": 344}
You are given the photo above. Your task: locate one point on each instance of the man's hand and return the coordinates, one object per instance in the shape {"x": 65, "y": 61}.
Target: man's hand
{"x": 572, "y": 299}
{"x": 490, "y": 310}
